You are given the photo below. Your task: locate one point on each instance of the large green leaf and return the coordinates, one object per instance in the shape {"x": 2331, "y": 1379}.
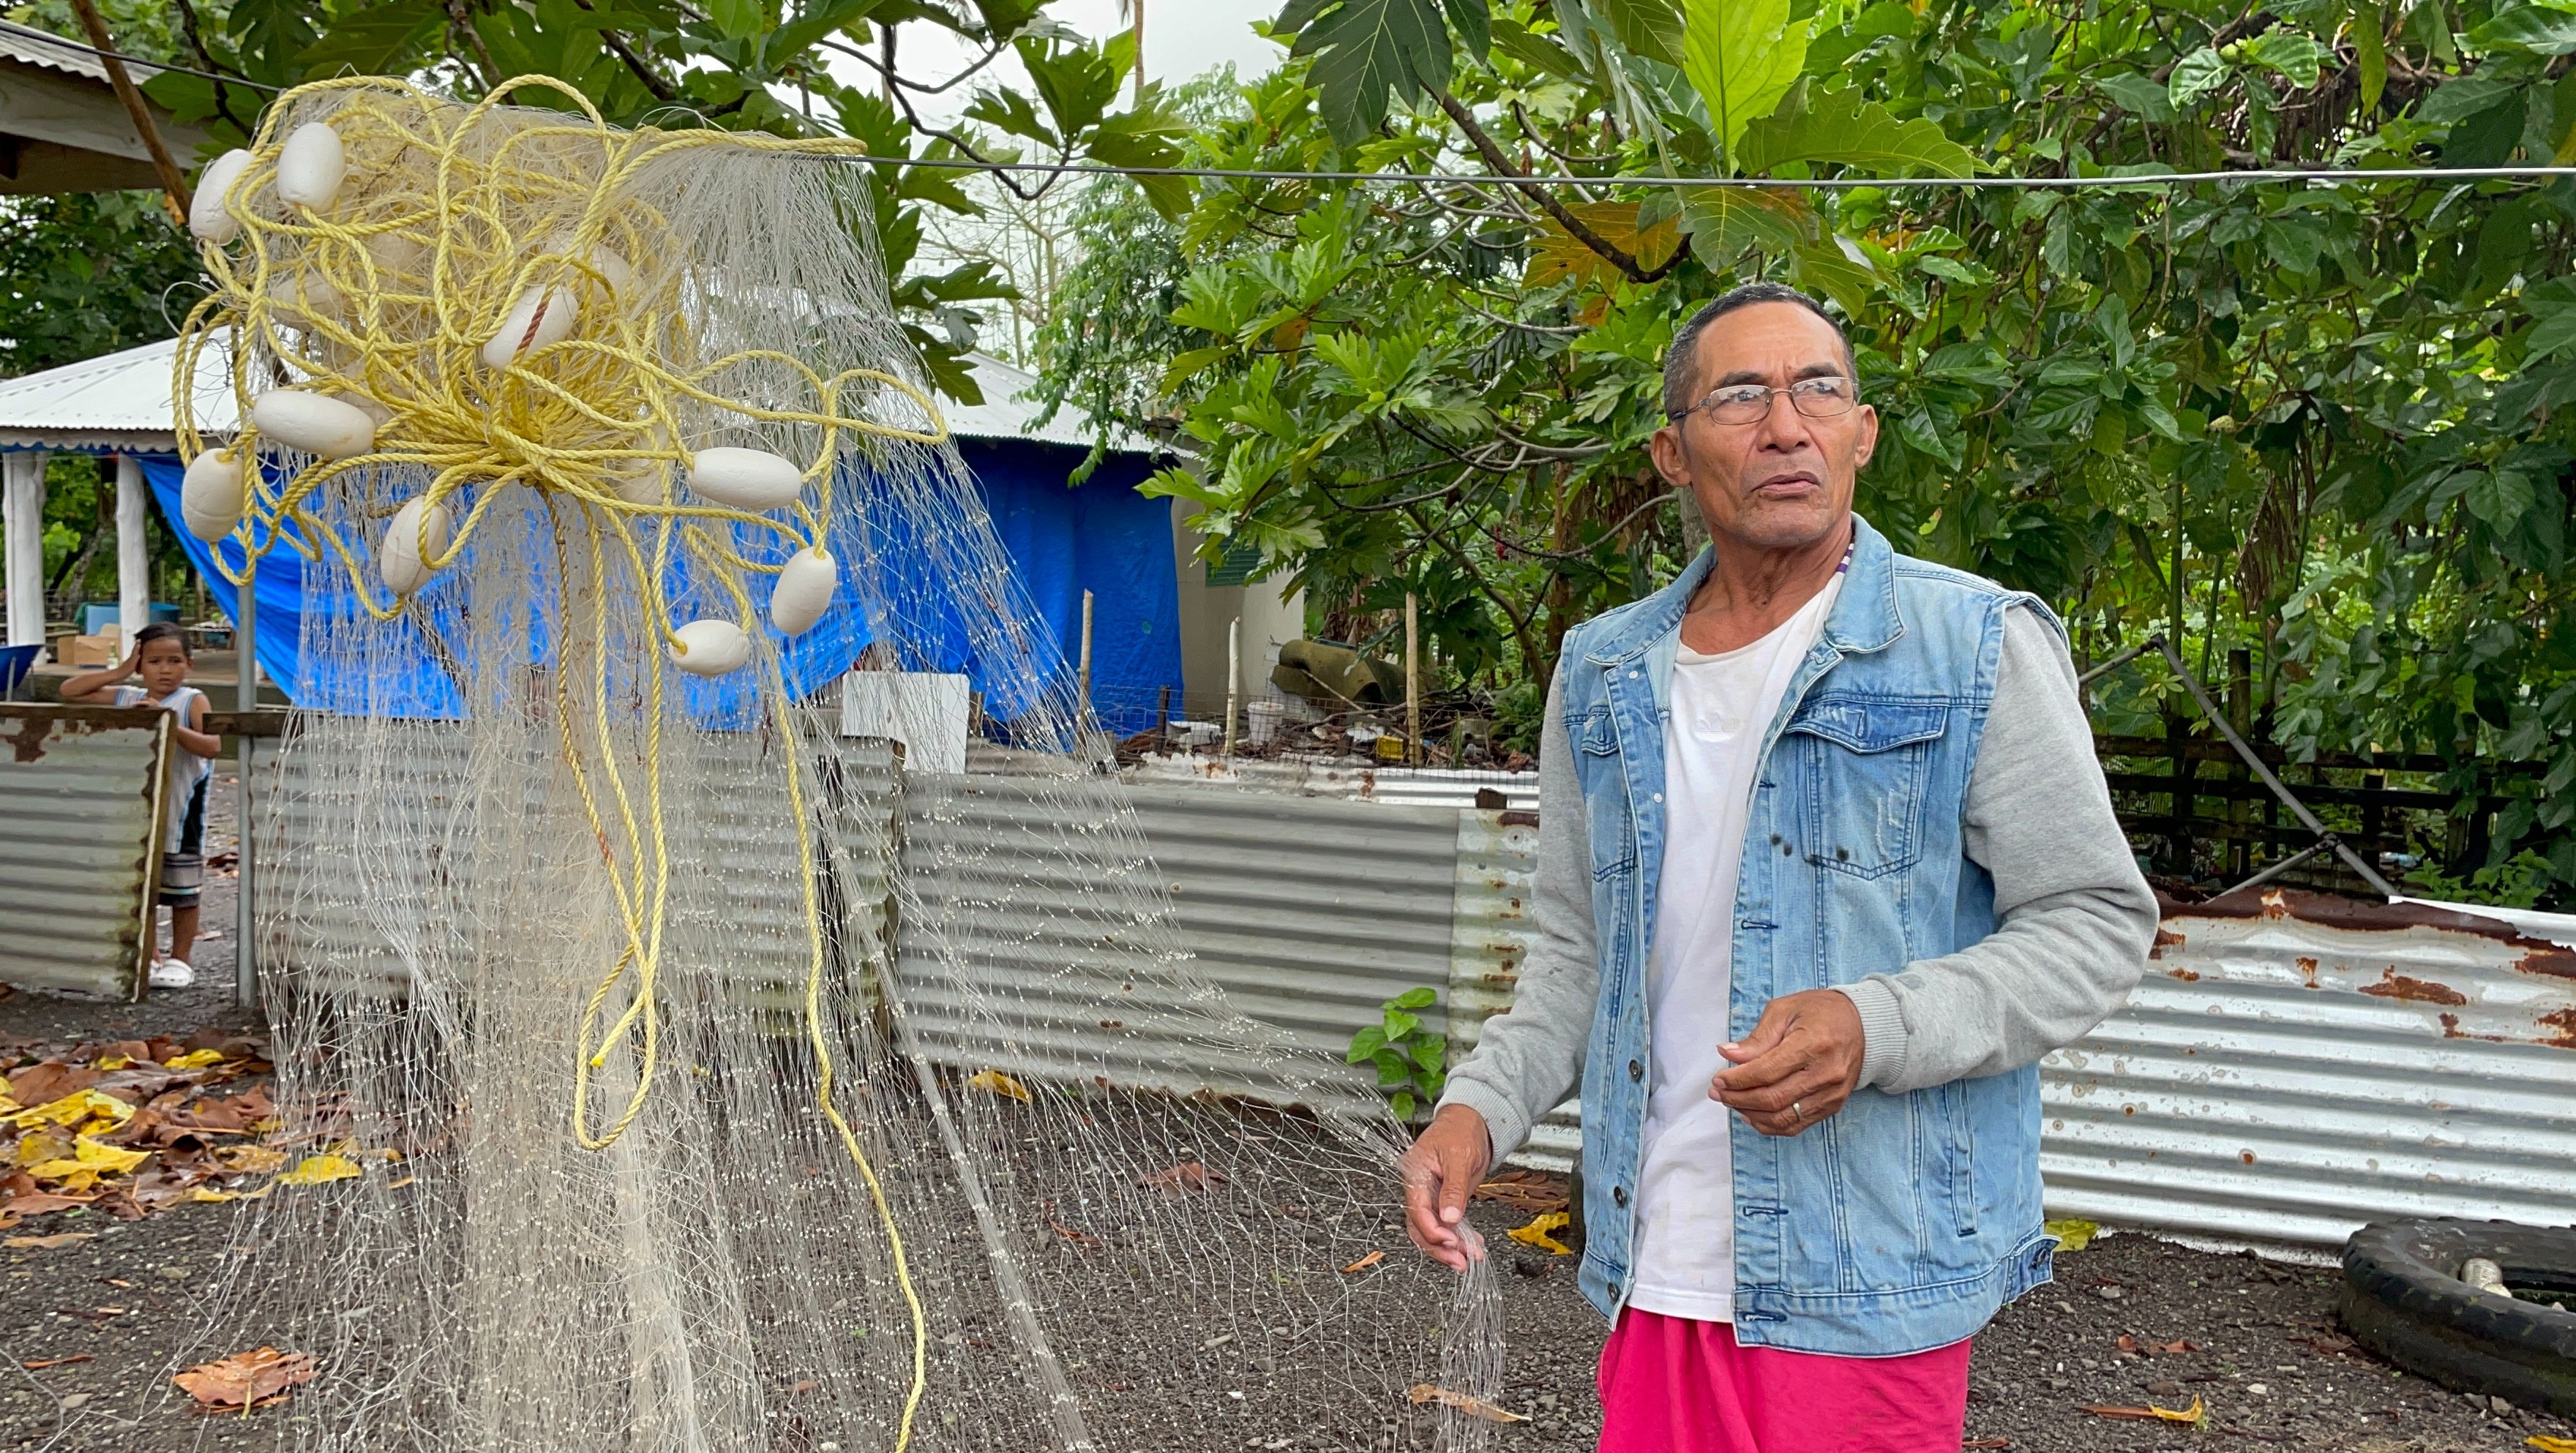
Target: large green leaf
{"x": 2528, "y": 30}
{"x": 1838, "y": 270}
{"x": 1651, "y": 28}
{"x": 1368, "y": 50}
{"x": 1847, "y": 128}
{"x": 1741, "y": 56}
{"x": 381, "y": 40}
{"x": 2195, "y": 76}
{"x": 2294, "y": 55}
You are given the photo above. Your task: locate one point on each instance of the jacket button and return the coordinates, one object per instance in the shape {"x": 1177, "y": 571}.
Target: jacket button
{"x": 1775, "y": 840}
{"x": 1842, "y": 855}
{"x": 1618, "y": 1195}
{"x": 1636, "y": 1070}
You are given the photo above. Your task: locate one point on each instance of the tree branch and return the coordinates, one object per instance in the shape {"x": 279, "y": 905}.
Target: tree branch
{"x": 1574, "y": 226}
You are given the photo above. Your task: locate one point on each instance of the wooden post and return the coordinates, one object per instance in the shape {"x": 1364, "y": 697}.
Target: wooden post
{"x": 2240, "y": 714}
{"x": 245, "y": 817}
{"x": 1082, "y": 711}
{"x": 1163, "y": 721}
{"x": 1412, "y": 681}
{"x": 1233, "y": 680}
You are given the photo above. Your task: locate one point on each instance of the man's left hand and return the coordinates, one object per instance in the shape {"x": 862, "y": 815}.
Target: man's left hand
{"x": 1798, "y": 1065}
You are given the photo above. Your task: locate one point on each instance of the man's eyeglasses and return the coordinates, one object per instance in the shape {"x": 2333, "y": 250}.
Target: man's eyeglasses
{"x": 1750, "y": 403}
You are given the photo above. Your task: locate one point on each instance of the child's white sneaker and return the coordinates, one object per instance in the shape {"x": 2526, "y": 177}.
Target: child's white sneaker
{"x": 172, "y": 974}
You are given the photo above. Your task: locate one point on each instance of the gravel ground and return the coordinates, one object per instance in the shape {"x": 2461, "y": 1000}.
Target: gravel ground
{"x": 2132, "y": 1321}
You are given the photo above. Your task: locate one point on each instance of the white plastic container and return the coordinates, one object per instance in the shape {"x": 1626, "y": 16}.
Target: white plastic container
{"x": 418, "y": 532}
{"x": 211, "y": 494}
{"x": 803, "y": 591}
{"x": 710, "y": 648}
{"x": 746, "y": 479}
{"x": 1261, "y": 721}
{"x": 311, "y": 166}
{"x": 207, "y": 219}
{"x": 315, "y": 423}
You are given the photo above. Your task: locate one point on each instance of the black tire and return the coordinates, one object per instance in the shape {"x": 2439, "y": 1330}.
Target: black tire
{"x": 2403, "y": 1299}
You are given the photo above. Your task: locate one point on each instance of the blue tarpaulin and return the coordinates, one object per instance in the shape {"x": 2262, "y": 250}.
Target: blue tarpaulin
{"x": 1102, "y": 537}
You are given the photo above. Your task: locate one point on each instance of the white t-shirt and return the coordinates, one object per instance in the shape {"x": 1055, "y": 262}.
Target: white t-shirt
{"x": 1721, "y": 707}
{"x": 187, "y": 769}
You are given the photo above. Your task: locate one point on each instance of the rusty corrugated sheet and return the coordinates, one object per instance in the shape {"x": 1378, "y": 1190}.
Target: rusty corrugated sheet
{"x": 81, "y": 803}
{"x": 2298, "y": 1065}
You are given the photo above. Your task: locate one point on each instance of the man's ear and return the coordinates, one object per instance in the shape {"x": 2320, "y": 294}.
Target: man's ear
{"x": 1671, "y": 455}
{"x": 1867, "y": 442}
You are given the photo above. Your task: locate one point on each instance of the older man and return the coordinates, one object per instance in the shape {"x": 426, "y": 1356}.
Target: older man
{"x": 1826, "y": 864}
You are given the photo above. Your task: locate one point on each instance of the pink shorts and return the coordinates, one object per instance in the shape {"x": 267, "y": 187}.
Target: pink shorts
{"x": 1674, "y": 1385}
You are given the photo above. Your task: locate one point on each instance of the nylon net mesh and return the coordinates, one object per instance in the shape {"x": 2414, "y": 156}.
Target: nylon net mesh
{"x": 712, "y": 1082}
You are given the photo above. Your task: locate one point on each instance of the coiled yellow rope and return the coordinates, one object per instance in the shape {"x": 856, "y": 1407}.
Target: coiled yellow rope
{"x": 448, "y": 218}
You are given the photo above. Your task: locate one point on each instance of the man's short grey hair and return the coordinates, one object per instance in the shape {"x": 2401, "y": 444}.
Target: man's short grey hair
{"x": 1681, "y": 361}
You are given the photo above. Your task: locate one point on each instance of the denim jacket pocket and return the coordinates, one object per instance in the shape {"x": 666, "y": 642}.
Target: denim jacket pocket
{"x": 1872, "y": 755}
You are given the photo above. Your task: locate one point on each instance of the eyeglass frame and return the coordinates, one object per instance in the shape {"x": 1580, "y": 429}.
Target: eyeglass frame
{"x": 1851, "y": 400}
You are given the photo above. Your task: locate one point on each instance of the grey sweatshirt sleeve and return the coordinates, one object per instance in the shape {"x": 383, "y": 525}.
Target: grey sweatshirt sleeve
{"x": 2075, "y": 917}
{"x": 1530, "y": 1059}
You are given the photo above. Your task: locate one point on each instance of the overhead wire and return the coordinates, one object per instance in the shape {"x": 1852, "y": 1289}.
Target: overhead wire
{"x": 2329, "y": 176}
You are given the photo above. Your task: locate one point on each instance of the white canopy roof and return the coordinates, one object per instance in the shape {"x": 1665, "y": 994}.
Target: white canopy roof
{"x": 121, "y": 401}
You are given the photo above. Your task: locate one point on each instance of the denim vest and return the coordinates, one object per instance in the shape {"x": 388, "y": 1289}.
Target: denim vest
{"x": 1904, "y": 1221}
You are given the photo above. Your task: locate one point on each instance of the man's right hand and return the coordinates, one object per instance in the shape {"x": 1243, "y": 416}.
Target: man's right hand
{"x": 1444, "y": 1167}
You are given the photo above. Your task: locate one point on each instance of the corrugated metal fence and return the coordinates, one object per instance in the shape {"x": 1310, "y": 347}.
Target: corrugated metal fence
{"x": 81, "y": 804}
{"x": 2291, "y": 1069}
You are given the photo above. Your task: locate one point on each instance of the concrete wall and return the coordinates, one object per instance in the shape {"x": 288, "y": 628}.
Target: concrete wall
{"x": 1269, "y": 621}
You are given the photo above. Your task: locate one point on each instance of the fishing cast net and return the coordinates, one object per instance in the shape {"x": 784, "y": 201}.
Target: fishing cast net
{"x": 676, "y": 1074}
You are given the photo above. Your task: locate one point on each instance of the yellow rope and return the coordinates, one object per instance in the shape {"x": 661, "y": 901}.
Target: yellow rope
{"x": 443, "y": 225}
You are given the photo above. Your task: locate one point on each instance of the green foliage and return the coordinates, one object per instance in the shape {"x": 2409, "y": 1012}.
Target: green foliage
{"x": 2325, "y": 424}
{"x": 1412, "y": 1063}
{"x": 87, "y": 273}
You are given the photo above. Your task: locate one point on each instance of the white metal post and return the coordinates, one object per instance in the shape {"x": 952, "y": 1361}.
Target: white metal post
{"x": 133, "y": 560}
{"x": 22, "y": 493}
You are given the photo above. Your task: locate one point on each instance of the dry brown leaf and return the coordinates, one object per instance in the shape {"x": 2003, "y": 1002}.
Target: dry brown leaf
{"x": 1987, "y": 1443}
{"x": 1364, "y": 1263}
{"x": 2181, "y": 1345}
{"x": 47, "y": 1243}
{"x": 1078, "y": 1238}
{"x": 247, "y": 1379}
{"x": 1189, "y": 1175}
{"x": 42, "y": 1363}
{"x": 1425, "y": 1392}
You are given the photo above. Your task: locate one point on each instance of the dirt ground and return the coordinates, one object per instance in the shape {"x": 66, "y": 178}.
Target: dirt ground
{"x": 91, "y": 1331}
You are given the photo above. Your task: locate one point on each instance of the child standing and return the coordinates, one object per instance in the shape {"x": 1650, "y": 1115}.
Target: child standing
{"x": 160, "y": 661}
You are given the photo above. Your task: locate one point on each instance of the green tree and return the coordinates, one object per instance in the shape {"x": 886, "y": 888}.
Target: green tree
{"x": 2321, "y": 422}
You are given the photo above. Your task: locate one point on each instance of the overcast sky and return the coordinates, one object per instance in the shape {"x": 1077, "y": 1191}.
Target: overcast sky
{"x": 1182, "y": 39}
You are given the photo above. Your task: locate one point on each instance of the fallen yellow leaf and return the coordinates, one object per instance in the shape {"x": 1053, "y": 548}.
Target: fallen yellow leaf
{"x": 320, "y": 1170}
{"x": 209, "y": 1193}
{"x": 253, "y": 1159}
{"x": 2195, "y": 1414}
{"x": 1425, "y": 1392}
{"x": 2547, "y": 1444}
{"x": 2071, "y": 1235}
{"x": 1536, "y": 1233}
{"x": 70, "y": 1108}
{"x": 91, "y": 1157}
{"x": 1000, "y": 1084}
{"x": 47, "y": 1243}
{"x": 195, "y": 1059}
{"x": 114, "y": 1062}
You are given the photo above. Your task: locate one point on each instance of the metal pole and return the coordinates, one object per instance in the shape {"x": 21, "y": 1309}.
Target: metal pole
{"x": 246, "y": 697}
{"x": 1412, "y": 682}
